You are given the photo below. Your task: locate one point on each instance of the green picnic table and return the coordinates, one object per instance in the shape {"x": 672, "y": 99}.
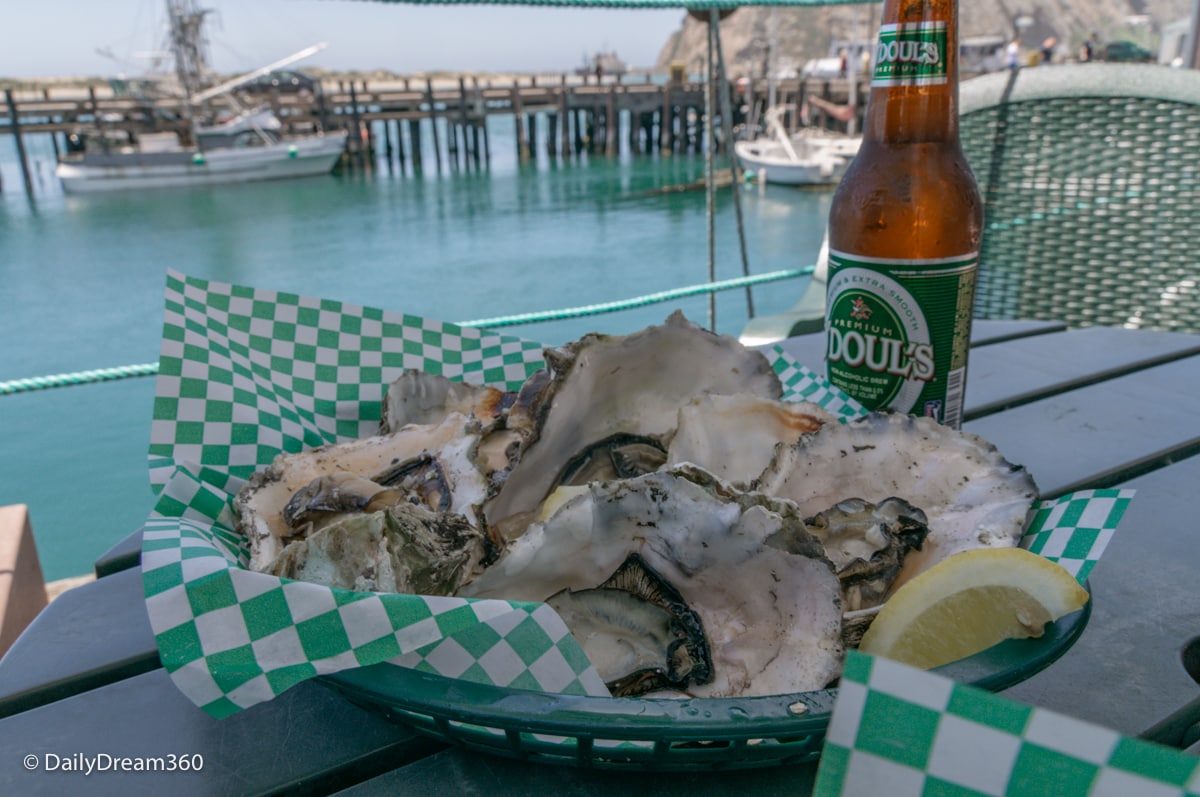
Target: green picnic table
{"x": 1084, "y": 408}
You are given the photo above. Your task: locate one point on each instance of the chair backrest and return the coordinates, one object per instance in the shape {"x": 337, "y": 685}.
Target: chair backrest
{"x": 1091, "y": 182}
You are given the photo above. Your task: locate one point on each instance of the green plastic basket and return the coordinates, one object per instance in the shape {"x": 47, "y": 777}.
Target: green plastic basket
{"x": 653, "y": 734}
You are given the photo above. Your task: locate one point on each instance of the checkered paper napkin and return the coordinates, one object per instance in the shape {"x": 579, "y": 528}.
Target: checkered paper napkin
{"x": 246, "y": 374}
{"x": 903, "y": 732}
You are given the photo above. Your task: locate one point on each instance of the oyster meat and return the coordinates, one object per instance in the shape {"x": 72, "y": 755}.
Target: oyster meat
{"x": 298, "y": 494}
{"x": 971, "y": 496}
{"x": 771, "y": 615}
{"x": 637, "y": 628}
{"x": 420, "y": 398}
{"x": 867, "y": 544}
{"x": 401, "y": 548}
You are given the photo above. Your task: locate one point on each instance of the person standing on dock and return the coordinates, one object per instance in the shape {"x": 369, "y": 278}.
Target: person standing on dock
{"x": 1012, "y": 53}
{"x": 1088, "y": 51}
{"x": 1048, "y": 49}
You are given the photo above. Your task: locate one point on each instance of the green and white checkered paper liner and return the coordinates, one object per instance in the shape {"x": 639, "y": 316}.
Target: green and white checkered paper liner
{"x": 903, "y": 732}
{"x": 246, "y": 374}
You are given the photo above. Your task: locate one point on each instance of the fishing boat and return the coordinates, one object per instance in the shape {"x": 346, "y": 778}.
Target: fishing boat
{"x": 806, "y": 157}
{"x": 248, "y": 145}
{"x": 161, "y": 160}
{"x": 602, "y": 64}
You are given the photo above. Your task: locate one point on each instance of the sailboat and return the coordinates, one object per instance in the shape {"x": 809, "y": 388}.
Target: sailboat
{"x": 807, "y": 157}
{"x": 249, "y": 146}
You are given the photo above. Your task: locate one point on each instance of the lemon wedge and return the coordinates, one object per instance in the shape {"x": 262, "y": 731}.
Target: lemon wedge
{"x": 560, "y": 496}
{"x": 970, "y": 601}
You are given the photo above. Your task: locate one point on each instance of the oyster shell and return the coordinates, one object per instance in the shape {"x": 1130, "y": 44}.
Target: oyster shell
{"x": 772, "y": 617}
{"x": 402, "y": 548}
{"x": 608, "y": 405}
{"x": 434, "y": 465}
{"x": 417, "y": 397}
{"x": 637, "y": 631}
{"x": 971, "y": 496}
{"x": 734, "y": 436}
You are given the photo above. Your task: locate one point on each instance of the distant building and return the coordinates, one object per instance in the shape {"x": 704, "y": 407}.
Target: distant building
{"x": 981, "y": 53}
{"x": 1173, "y": 43}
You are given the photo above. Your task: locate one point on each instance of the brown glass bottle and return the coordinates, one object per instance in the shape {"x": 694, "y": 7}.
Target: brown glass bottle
{"x": 905, "y": 226}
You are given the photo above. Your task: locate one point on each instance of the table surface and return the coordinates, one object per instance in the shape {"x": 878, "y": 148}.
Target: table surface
{"x": 1097, "y": 407}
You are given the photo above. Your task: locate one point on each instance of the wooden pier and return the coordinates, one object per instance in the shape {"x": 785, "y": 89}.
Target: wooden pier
{"x": 392, "y": 119}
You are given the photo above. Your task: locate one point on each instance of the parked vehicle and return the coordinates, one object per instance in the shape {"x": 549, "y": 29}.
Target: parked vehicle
{"x": 1126, "y": 51}
{"x": 282, "y": 80}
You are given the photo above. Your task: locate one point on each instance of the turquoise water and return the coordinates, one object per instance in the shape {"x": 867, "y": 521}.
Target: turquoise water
{"x": 83, "y": 280}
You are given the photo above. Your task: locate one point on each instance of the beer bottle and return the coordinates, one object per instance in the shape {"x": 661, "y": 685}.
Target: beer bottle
{"x": 904, "y": 228}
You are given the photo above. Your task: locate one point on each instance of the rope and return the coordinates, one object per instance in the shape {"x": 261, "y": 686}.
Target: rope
{"x": 31, "y": 384}
{"x": 641, "y": 301}
{"x": 77, "y": 378}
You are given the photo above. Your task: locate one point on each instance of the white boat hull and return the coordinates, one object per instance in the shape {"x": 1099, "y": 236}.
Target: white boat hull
{"x": 290, "y": 158}
{"x": 808, "y": 162}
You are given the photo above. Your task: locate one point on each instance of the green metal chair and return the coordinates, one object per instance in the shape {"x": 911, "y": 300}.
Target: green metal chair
{"x": 1091, "y": 181}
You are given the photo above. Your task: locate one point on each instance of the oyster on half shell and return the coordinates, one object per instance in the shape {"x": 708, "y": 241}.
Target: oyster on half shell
{"x": 971, "y": 496}
{"x": 733, "y": 436}
{"x": 867, "y": 544}
{"x": 637, "y": 629}
{"x": 772, "y": 617}
{"x": 608, "y": 406}
{"x": 298, "y": 494}
{"x": 401, "y": 548}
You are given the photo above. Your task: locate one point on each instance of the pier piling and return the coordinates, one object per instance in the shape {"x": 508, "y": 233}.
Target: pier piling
{"x": 414, "y": 140}
{"x": 437, "y": 154}
{"x": 387, "y": 147}
{"x": 565, "y": 115}
{"x": 399, "y": 147}
{"x": 612, "y": 123}
{"x": 519, "y": 117}
{"x": 14, "y": 121}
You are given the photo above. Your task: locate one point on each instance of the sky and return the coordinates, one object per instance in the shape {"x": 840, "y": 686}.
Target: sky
{"x": 63, "y": 37}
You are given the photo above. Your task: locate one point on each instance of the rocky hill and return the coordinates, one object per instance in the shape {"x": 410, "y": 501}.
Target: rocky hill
{"x": 803, "y": 33}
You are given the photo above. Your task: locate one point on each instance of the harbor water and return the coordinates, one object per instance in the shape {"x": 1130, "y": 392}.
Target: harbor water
{"x": 83, "y": 280}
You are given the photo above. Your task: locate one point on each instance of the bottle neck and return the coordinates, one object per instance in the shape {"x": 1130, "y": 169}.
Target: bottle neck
{"x": 914, "y": 88}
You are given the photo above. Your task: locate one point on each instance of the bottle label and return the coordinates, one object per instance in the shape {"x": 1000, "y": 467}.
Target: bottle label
{"x": 898, "y": 330}
{"x": 912, "y": 54}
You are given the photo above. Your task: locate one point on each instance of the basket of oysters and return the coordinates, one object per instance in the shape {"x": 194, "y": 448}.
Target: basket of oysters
{"x": 713, "y": 548}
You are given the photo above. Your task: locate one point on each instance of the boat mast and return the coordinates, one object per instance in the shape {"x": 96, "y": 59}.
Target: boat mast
{"x": 190, "y": 49}
{"x": 772, "y": 46}
{"x": 188, "y": 43}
